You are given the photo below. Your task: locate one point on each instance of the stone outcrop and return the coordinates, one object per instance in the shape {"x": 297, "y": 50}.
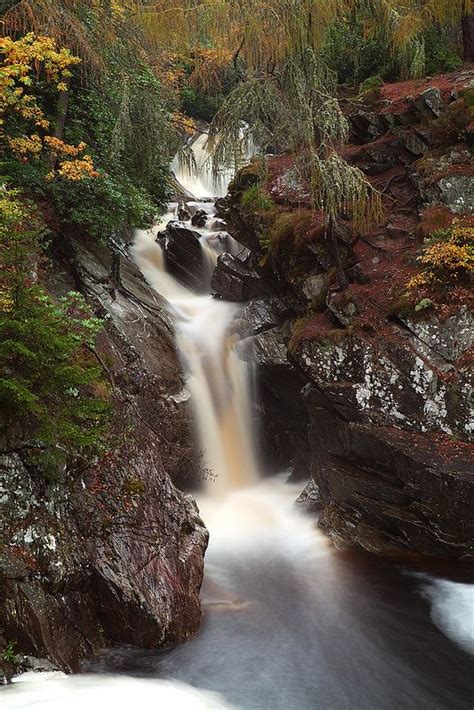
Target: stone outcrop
{"x": 183, "y": 255}
{"x": 112, "y": 553}
{"x": 370, "y": 397}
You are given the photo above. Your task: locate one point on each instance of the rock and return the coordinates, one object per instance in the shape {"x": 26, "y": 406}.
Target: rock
{"x": 342, "y": 307}
{"x": 284, "y": 418}
{"x": 387, "y": 490}
{"x": 450, "y": 339}
{"x": 309, "y": 501}
{"x": 385, "y": 383}
{"x": 199, "y": 218}
{"x": 430, "y": 102}
{"x": 414, "y": 143}
{"x": 37, "y": 665}
{"x": 265, "y": 313}
{"x": 112, "y": 554}
{"x": 183, "y": 255}
{"x": 183, "y": 213}
{"x": 314, "y": 287}
{"x": 457, "y": 192}
{"x": 366, "y": 126}
{"x": 232, "y": 280}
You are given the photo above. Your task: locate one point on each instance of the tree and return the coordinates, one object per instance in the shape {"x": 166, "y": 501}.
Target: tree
{"x": 28, "y": 65}
{"x": 52, "y": 413}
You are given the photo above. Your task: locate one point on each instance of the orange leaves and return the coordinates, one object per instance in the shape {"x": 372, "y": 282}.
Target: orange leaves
{"x": 447, "y": 255}
{"x": 184, "y": 123}
{"x": 24, "y": 62}
{"x": 59, "y": 147}
{"x": 76, "y": 170}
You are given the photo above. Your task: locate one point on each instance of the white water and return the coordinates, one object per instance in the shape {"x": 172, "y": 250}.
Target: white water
{"x": 201, "y": 182}
{"x": 206, "y": 336}
{"x": 56, "y": 691}
{"x": 288, "y": 623}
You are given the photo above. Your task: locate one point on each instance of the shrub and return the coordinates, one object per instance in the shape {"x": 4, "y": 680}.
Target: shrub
{"x": 256, "y": 199}
{"x": 48, "y": 373}
{"x": 447, "y": 257}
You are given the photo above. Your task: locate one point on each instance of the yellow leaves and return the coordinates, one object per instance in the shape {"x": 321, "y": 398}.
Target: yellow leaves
{"x": 26, "y": 57}
{"x": 79, "y": 169}
{"x": 23, "y": 62}
{"x": 446, "y": 255}
{"x": 417, "y": 281}
{"x": 184, "y": 123}
{"x": 24, "y": 147}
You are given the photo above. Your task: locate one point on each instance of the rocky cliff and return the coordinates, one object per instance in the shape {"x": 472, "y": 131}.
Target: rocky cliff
{"x": 113, "y": 553}
{"x": 369, "y": 386}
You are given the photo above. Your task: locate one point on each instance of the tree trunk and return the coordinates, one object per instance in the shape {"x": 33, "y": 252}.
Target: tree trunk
{"x": 468, "y": 37}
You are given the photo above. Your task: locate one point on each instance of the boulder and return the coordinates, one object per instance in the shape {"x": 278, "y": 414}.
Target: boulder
{"x": 235, "y": 281}
{"x": 183, "y": 255}
{"x": 199, "y": 218}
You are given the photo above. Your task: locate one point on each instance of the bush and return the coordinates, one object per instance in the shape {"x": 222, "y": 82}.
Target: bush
{"x": 199, "y": 105}
{"x": 256, "y": 199}
{"x": 49, "y": 377}
{"x": 447, "y": 258}
{"x": 103, "y": 206}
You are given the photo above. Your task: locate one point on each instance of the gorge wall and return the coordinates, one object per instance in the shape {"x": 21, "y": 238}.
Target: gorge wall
{"x": 368, "y": 391}
{"x": 113, "y": 553}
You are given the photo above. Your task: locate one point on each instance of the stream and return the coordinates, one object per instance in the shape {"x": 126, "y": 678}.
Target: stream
{"x": 289, "y": 623}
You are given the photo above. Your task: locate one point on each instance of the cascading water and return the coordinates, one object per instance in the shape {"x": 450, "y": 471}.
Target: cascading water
{"x": 289, "y": 623}
{"x": 217, "y": 379}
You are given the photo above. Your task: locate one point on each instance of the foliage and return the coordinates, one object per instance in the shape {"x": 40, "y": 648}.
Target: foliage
{"x": 117, "y": 107}
{"x": 200, "y": 105}
{"x": 29, "y": 66}
{"x": 447, "y": 257}
{"x": 256, "y": 199}
{"x": 9, "y": 655}
{"x": 49, "y": 378}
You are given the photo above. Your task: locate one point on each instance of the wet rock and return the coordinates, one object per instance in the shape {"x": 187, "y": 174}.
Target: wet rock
{"x": 387, "y": 490}
{"x": 309, "y": 501}
{"x": 183, "y": 213}
{"x": 235, "y": 281}
{"x": 199, "y": 218}
{"x": 265, "y": 313}
{"x": 183, "y": 255}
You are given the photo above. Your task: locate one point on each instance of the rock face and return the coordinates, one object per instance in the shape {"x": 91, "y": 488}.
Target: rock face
{"x": 113, "y": 553}
{"x": 370, "y": 398}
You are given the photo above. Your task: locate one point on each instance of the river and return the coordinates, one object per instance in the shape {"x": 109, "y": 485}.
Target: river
{"x": 289, "y": 623}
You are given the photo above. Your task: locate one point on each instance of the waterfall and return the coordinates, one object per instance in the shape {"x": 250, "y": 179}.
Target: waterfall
{"x": 207, "y": 340}
{"x": 201, "y": 182}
